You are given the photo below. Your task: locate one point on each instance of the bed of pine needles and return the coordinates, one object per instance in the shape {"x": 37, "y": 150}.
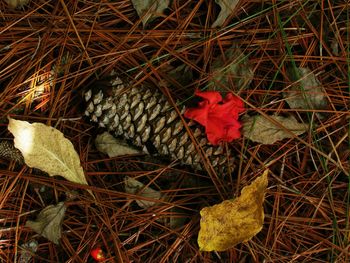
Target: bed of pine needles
{"x": 307, "y": 203}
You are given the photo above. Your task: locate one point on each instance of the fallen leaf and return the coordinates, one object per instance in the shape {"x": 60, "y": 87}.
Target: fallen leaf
{"x": 229, "y": 223}
{"x": 49, "y": 222}
{"x": 263, "y": 130}
{"x": 46, "y": 148}
{"x": 135, "y": 187}
{"x": 307, "y": 93}
{"x": 16, "y": 3}
{"x": 227, "y": 8}
{"x": 149, "y": 9}
{"x": 231, "y": 68}
{"x": 113, "y": 147}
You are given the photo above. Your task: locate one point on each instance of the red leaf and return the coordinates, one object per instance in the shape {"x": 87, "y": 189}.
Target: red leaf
{"x": 218, "y": 116}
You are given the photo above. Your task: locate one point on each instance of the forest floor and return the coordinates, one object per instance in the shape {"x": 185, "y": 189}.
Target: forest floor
{"x": 266, "y": 52}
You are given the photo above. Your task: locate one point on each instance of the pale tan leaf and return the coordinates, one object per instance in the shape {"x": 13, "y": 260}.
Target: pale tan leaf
{"x": 149, "y": 9}
{"x": 113, "y": 147}
{"x": 46, "y": 148}
{"x": 227, "y": 8}
{"x": 16, "y": 3}
{"x": 135, "y": 187}
{"x": 266, "y": 130}
{"x": 307, "y": 93}
{"x": 229, "y": 69}
{"x": 229, "y": 223}
{"x": 49, "y": 222}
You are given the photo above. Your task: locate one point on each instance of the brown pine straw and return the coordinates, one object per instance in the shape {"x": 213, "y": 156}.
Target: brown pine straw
{"x": 307, "y": 204}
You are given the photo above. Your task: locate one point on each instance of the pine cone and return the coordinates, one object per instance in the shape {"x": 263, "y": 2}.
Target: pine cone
{"x": 10, "y": 153}
{"x": 145, "y": 117}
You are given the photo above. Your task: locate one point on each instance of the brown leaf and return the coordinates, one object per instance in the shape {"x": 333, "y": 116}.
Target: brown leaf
{"x": 46, "y": 148}
{"x": 307, "y": 93}
{"x": 263, "y": 130}
{"x": 229, "y": 223}
{"x": 49, "y": 222}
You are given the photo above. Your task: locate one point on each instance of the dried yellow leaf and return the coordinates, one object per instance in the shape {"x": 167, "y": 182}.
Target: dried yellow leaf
{"x": 46, "y": 148}
{"x": 229, "y": 223}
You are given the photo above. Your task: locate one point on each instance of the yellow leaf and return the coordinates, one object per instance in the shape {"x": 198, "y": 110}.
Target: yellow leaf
{"x": 46, "y": 148}
{"x": 229, "y": 223}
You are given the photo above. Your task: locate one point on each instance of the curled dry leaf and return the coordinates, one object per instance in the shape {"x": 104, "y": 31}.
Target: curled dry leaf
{"x": 229, "y": 223}
{"x": 113, "y": 147}
{"x": 49, "y": 222}
{"x": 149, "y": 9}
{"x": 46, "y": 148}
{"x": 16, "y": 3}
{"x": 307, "y": 93}
{"x": 135, "y": 187}
{"x": 227, "y": 8}
{"x": 232, "y": 68}
{"x": 264, "y": 130}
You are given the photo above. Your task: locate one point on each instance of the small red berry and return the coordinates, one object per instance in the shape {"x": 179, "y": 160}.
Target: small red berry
{"x": 97, "y": 254}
